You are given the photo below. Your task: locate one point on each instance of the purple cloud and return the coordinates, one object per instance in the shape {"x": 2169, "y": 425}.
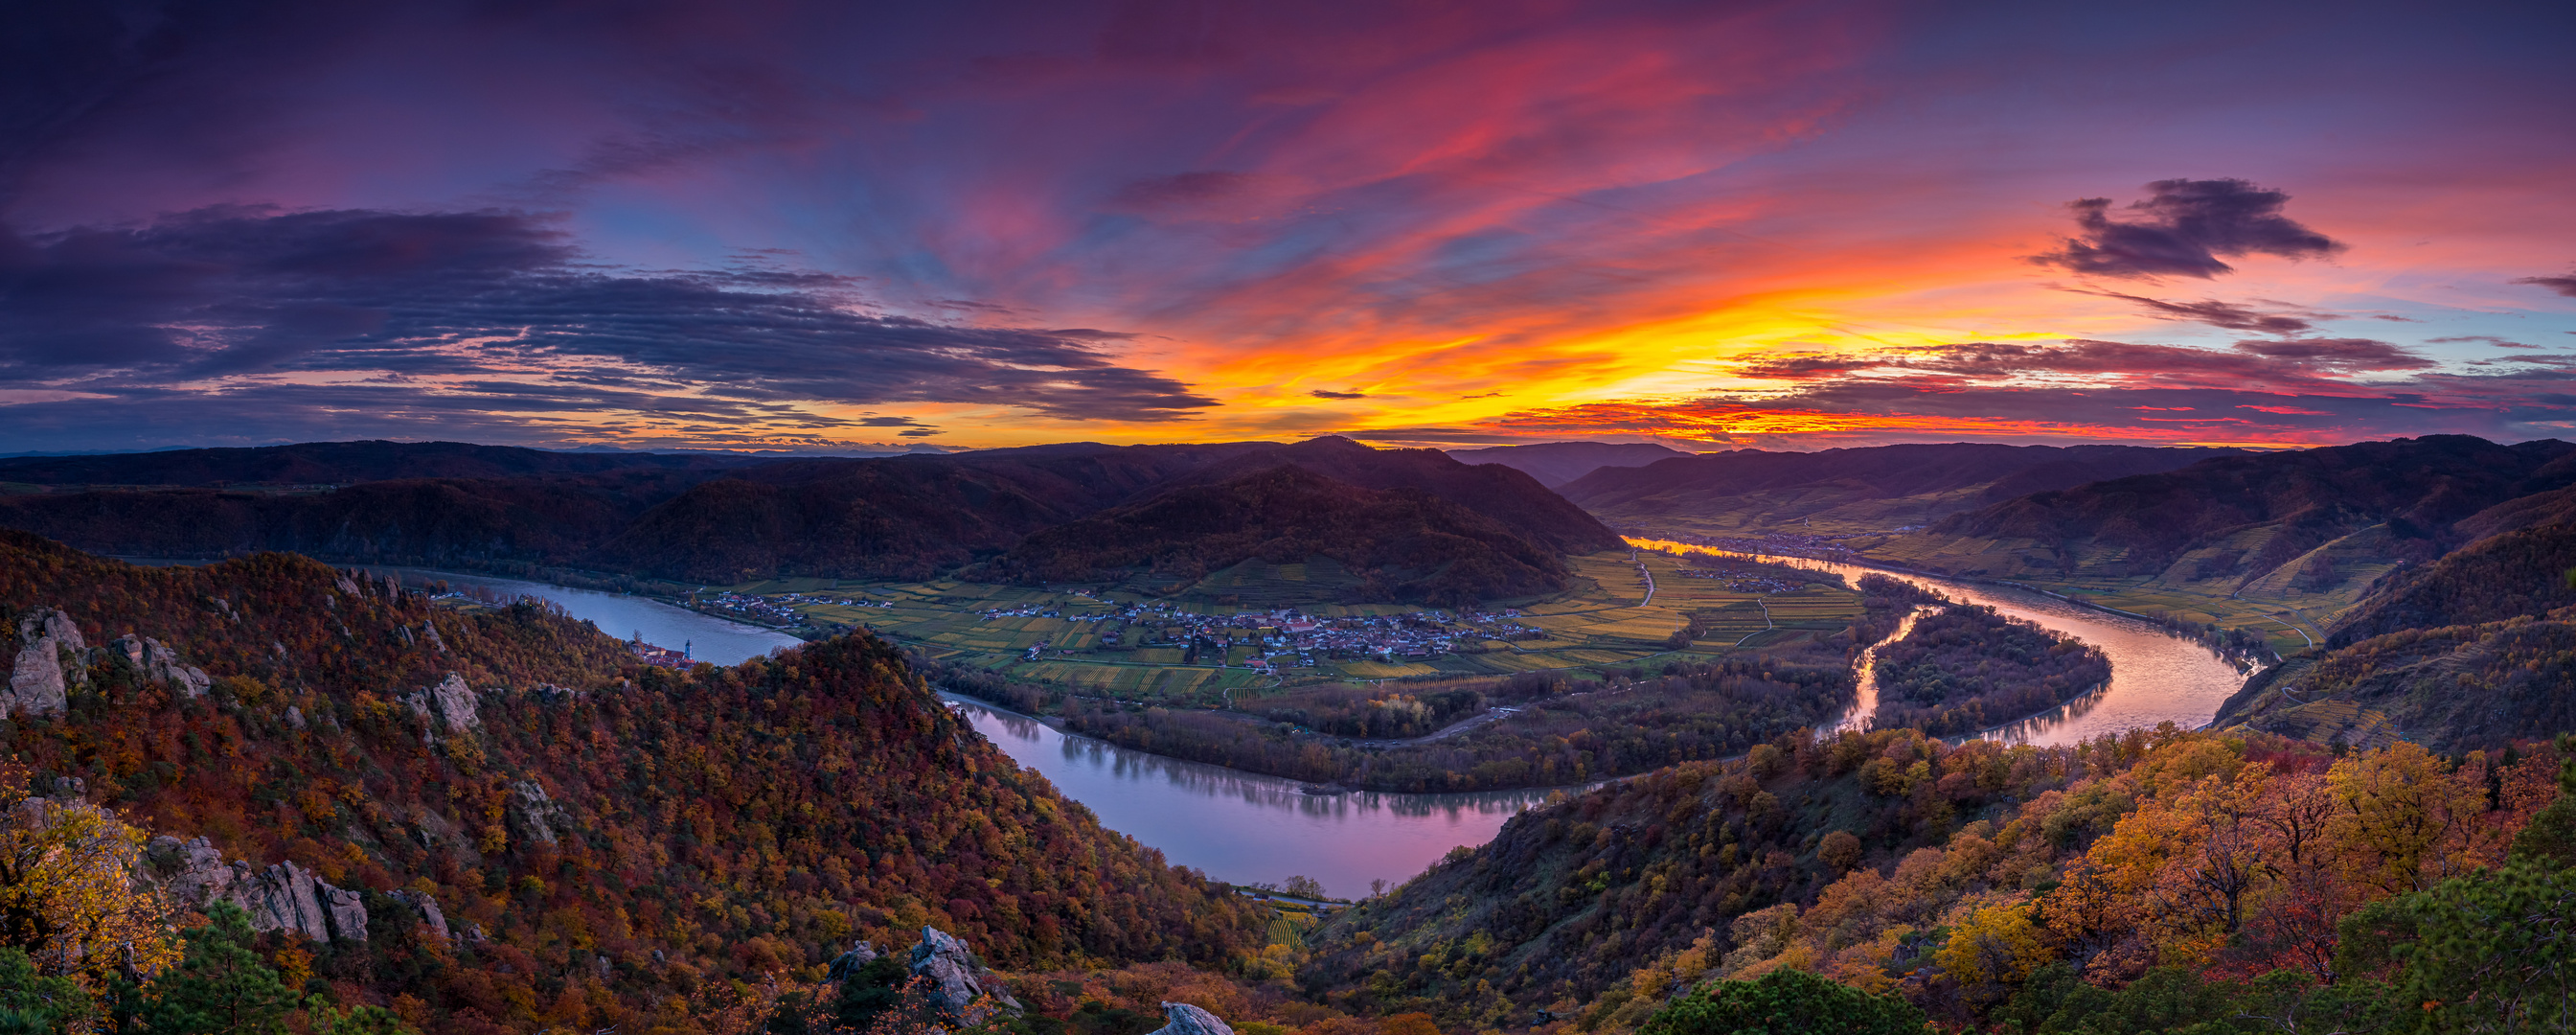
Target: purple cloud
{"x": 2182, "y": 230}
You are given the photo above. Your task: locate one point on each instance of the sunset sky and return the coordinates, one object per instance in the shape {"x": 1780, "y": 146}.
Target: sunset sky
{"x": 810, "y": 226}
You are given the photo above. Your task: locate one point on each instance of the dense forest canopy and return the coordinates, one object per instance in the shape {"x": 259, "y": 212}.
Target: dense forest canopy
{"x": 612, "y": 835}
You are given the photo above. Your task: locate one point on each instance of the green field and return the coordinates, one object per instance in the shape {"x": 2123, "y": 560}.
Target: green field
{"x": 1601, "y": 621}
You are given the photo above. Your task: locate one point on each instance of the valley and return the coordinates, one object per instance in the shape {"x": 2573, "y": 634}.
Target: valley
{"x": 1547, "y": 809}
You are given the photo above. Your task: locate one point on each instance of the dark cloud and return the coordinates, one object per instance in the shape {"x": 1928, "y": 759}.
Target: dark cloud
{"x": 2487, "y": 338}
{"x": 2338, "y": 354}
{"x": 1323, "y": 394}
{"x": 1809, "y": 367}
{"x": 1865, "y": 411}
{"x": 2565, "y": 285}
{"x": 2251, "y": 362}
{"x": 2220, "y": 314}
{"x": 232, "y": 292}
{"x": 2183, "y": 229}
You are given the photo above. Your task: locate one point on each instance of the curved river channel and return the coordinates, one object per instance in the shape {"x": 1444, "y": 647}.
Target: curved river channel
{"x": 1242, "y": 828}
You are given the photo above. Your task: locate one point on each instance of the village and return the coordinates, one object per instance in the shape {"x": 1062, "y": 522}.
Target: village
{"x": 780, "y": 610}
{"x": 1266, "y": 641}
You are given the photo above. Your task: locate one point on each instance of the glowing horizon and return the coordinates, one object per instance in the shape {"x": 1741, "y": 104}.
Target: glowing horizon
{"x": 1760, "y": 224}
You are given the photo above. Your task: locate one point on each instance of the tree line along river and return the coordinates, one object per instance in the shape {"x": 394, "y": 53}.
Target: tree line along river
{"x": 1242, "y": 827}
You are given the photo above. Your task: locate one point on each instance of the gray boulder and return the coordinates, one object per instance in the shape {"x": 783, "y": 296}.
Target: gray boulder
{"x": 198, "y": 872}
{"x": 1184, "y": 1019}
{"x": 427, "y": 907}
{"x": 160, "y": 664}
{"x": 455, "y": 703}
{"x": 537, "y": 815}
{"x": 956, "y": 980}
{"x": 449, "y": 705}
{"x": 284, "y": 897}
{"x": 289, "y": 897}
{"x": 38, "y": 681}
{"x": 846, "y": 965}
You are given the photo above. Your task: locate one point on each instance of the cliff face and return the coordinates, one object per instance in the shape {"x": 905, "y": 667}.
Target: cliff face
{"x": 464, "y": 805}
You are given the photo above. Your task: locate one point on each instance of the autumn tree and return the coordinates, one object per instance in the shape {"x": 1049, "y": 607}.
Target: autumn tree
{"x": 2401, "y": 824}
{"x": 1782, "y": 1002}
{"x": 68, "y": 895}
{"x": 1994, "y": 947}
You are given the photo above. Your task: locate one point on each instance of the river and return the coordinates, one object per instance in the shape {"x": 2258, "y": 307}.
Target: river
{"x": 1244, "y": 828}
{"x": 2156, "y": 677}
{"x": 706, "y": 638}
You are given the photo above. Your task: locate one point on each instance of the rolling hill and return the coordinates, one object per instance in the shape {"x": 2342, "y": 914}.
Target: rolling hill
{"x": 1872, "y": 489}
{"x": 698, "y": 519}
{"x": 1395, "y": 544}
{"x": 2323, "y": 522}
{"x": 519, "y": 826}
{"x": 339, "y": 463}
{"x": 1556, "y": 463}
{"x": 2469, "y": 652}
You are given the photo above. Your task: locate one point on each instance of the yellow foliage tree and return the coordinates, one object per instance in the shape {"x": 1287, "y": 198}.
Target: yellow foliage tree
{"x": 68, "y": 893}
{"x": 2403, "y": 818}
{"x": 1994, "y": 945}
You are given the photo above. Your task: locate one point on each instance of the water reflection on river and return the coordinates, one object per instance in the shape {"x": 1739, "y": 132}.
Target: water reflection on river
{"x": 1244, "y": 828}
{"x": 2155, "y": 676}
{"x": 1234, "y": 826}
{"x": 1240, "y": 827}
{"x": 708, "y": 638}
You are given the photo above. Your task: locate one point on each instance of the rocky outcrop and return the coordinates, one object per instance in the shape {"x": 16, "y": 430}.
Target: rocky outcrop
{"x": 847, "y": 965}
{"x": 450, "y": 704}
{"x": 427, "y": 907}
{"x": 289, "y": 897}
{"x": 160, "y": 664}
{"x": 1184, "y": 1019}
{"x": 537, "y": 815}
{"x": 455, "y": 703}
{"x": 39, "y": 682}
{"x": 957, "y": 981}
{"x": 284, "y": 897}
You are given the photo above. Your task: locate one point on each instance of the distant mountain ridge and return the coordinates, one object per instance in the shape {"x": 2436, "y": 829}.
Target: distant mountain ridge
{"x": 1875, "y": 488}
{"x": 717, "y": 520}
{"x": 1398, "y": 543}
{"x": 2334, "y": 515}
{"x": 2464, "y": 653}
{"x": 1556, "y": 463}
{"x": 340, "y": 463}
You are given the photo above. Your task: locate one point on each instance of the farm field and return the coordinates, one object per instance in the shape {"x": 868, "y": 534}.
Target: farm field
{"x": 1099, "y": 642}
{"x": 2280, "y": 618}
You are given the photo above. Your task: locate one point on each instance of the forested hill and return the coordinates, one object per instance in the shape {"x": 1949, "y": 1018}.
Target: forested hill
{"x": 339, "y": 463}
{"x": 2464, "y": 653}
{"x": 1396, "y": 544}
{"x": 697, "y": 520}
{"x": 604, "y": 840}
{"x": 2157, "y": 882}
{"x": 2233, "y": 519}
{"x": 1556, "y": 463}
{"x": 1837, "y": 490}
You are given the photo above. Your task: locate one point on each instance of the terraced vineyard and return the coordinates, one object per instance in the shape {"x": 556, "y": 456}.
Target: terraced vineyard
{"x": 1108, "y": 643}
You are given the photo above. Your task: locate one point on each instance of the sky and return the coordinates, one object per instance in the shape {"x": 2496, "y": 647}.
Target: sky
{"x": 776, "y": 224}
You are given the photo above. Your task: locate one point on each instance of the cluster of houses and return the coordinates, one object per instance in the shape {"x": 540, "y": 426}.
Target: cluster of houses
{"x": 777, "y": 611}
{"x": 663, "y": 656}
{"x": 1287, "y": 636}
{"x": 1746, "y": 580}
